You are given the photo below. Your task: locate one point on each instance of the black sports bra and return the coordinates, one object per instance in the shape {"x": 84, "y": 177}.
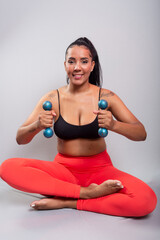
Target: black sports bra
{"x": 65, "y": 130}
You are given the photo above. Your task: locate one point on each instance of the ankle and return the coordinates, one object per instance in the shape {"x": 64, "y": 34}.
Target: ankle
{"x": 84, "y": 192}
{"x": 70, "y": 203}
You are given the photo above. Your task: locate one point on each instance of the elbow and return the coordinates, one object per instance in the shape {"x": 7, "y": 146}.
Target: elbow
{"x": 143, "y": 134}
{"x": 21, "y": 141}
{"x": 142, "y": 138}
{"x": 18, "y": 140}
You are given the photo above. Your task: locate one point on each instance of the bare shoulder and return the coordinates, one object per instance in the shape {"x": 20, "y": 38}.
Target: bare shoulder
{"x": 62, "y": 89}
{"x": 117, "y": 107}
{"x": 50, "y": 95}
{"x": 109, "y": 96}
{"x": 107, "y": 93}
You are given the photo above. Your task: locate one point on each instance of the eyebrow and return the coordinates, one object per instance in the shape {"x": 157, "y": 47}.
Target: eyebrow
{"x": 72, "y": 58}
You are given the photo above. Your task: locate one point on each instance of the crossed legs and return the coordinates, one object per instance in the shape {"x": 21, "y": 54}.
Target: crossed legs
{"x": 125, "y": 195}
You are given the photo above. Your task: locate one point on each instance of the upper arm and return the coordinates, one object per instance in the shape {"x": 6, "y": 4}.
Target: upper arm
{"x": 52, "y": 97}
{"x": 118, "y": 108}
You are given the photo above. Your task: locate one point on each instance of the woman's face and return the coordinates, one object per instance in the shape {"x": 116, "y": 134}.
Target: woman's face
{"x": 78, "y": 64}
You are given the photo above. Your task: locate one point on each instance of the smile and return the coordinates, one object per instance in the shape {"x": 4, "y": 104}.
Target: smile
{"x": 77, "y": 76}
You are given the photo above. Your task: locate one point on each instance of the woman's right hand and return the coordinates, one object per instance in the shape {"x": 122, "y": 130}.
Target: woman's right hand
{"x": 39, "y": 119}
{"x": 45, "y": 119}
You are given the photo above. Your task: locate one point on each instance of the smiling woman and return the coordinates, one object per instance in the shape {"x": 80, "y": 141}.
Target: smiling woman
{"x": 79, "y": 64}
{"x": 95, "y": 77}
{"x": 82, "y": 175}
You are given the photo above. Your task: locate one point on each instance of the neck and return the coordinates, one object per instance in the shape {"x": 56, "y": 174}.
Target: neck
{"x": 78, "y": 89}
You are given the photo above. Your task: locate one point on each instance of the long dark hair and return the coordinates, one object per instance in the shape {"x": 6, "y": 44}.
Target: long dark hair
{"x": 96, "y": 75}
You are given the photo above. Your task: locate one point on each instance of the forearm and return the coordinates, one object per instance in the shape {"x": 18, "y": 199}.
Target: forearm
{"x": 26, "y": 133}
{"x": 133, "y": 131}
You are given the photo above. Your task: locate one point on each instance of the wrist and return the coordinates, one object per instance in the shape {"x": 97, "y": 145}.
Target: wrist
{"x": 38, "y": 126}
{"x": 35, "y": 127}
{"x": 113, "y": 126}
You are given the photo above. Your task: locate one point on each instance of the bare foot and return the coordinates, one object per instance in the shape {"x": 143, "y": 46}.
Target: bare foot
{"x": 94, "y": 190}
{"x": 54, "y": 203}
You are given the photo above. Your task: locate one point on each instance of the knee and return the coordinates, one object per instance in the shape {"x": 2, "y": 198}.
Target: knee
{"x": 145, "y": 204}
{"x": 150, "y": 202}
{"x": 7, "y": 167}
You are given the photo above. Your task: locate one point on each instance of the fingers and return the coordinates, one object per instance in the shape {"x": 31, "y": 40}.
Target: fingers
{"x": 100, "y": 112}
{"x": 105, "y": 122}
{"x": 105, "y": 118}
{"x": 46, "y": 119}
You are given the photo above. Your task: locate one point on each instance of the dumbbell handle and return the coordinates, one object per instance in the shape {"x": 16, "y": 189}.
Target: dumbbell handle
{"x": 103, "y": 104}
{"x": 48, "y": 132}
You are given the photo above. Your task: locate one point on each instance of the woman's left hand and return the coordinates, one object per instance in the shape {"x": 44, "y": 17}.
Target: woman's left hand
{"x": 124, "y": 122}
{"x": 105, "y": 119}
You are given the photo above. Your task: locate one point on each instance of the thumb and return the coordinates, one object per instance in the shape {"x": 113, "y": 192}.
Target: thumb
{"x": 96, "y": 111}
{"x": 53, "y": 113}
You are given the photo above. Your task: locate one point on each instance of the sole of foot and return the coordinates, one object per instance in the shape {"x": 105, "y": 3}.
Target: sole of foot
{"x": 105, "y": 188}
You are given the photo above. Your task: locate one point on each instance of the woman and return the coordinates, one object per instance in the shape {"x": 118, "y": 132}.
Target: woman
{"x": 82, "y": 175}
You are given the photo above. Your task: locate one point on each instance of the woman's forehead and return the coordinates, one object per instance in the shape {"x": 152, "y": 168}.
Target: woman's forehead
{"x": 78, "y": 51}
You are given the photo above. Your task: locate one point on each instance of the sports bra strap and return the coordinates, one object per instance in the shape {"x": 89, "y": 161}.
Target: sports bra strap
{"x": 58, "y": 101}
{"x": 99, "y": 93}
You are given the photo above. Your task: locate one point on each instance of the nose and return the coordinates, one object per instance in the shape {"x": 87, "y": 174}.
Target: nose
{"x": 77, "y": 66}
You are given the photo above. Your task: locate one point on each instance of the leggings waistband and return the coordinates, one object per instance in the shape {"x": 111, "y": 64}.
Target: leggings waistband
{"x": 84, "y": 162}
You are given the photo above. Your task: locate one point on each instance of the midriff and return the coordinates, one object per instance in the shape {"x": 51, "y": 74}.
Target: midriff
{"x": 81, "y": 147}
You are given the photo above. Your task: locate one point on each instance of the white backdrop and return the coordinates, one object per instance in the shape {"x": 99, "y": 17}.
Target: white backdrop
{"x": 34, "y": 35}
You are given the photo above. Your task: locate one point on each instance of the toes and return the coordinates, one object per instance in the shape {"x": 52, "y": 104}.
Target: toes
{"x": 118, "y": 184}
{"x": 114, "y": 184}
{"x": 33, "y": 204}
{"x": 46, "y": 204}
{"x": 38, "y": 205}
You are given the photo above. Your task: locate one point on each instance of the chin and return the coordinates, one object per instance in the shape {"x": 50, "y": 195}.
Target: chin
{"x": 78, "y": 82}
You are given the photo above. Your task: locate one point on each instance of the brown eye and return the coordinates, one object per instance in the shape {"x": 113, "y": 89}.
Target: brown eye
{"x": 85, "y": 61}
{"x": 70, "y": 61}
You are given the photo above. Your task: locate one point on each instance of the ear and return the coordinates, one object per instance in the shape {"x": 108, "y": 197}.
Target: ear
{"x": 65, "y": 65}
{"x": 93, "y": 64}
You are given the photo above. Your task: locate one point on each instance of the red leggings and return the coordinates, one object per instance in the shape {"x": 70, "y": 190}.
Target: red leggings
{"x": 66, "y": 174}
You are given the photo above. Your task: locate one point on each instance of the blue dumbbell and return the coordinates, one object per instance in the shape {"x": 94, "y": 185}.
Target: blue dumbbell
{"x": 48, "y": 132}
{"x": 103, "y": 104}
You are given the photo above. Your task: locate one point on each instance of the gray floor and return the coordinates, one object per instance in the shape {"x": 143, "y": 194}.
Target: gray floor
{"x": 19, "y": 221}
